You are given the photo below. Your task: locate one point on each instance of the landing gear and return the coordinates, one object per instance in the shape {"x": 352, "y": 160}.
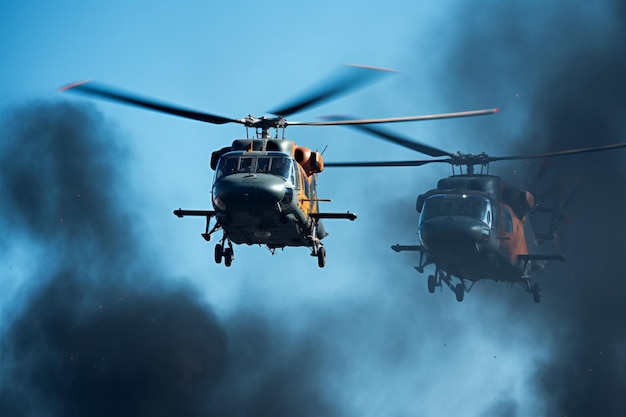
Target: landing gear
{"x": 532, "y": 287}
{"x": 459, "y": 291}
{"x": 317, "y": 249}
{"x": 432, "y": 283}
{"x": 528, "y": 282}
{"x": 321, "y": 256}
{"x": 537, "y": 292}
{"x": 441, "y": 277}
{"x": 437, "y": 280}
{"x": 228, "y": 256}
{"x": 227, "y": 253}
{"x": 320, "y": 252}
{"x": 219, "y": 253}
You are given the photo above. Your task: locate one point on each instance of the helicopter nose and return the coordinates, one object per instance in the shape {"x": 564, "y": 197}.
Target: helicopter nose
{"x": 442, "y": 232}
{"x": 237, "y": 189}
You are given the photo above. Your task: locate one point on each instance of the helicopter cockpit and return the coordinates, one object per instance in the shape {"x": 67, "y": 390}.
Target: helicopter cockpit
{"x": 476, "y": 207}
{"x": 279, "y": 165}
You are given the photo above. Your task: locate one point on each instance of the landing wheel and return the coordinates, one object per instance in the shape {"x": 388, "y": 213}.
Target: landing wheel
{"x": 459, "y": 291}
{"x": 432, "y": 283}
{"x": 537, "y": 292}
{"x": 321, "y": 256}
{"x": 228, "y": 256}
{"x": 219, "y": 253}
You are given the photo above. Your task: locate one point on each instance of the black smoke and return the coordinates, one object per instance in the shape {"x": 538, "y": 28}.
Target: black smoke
{"x": 562, "y": 70}
{"x": 104, "y": 330}
{"x": 100, "y": 332}
{"x": 98, "y": 327}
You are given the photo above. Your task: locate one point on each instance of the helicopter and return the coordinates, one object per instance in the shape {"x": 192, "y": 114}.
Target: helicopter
{"x": 264, "y": 190}
{"x": 474, "y": 226}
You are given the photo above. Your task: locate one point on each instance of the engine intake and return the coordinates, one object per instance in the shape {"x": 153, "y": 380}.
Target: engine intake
{"x": 311, "y": 161}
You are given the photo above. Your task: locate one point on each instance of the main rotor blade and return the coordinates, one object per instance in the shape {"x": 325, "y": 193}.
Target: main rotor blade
{"x": 350, "y": 78}
{"x": 559, "y": 153}
{"x": 394, "y": 137}
{"x": 397, "y": 139}
{"x": 345, "y": 121}
{"x": 99, "y": 90}
{"x": 402, "y": 141}
{"x": 383, "y": 163}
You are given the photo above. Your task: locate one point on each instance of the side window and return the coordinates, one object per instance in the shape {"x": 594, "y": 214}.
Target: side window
{"x": 306, "y": 187}
{"x": 508, "y": 221}
{"x": 294, "y": 177}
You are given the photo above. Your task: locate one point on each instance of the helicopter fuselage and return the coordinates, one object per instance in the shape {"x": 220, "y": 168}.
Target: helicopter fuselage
{"x": 264, "y": 193}
{"x": 263, "y": 197}
{"x": 474, "y": 227}
{"x": 471, "y": 246}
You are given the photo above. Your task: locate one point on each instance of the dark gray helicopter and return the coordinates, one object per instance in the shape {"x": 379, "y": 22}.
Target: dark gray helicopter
{"x": 264, "y": 190}
{"x": 473, "y": 226}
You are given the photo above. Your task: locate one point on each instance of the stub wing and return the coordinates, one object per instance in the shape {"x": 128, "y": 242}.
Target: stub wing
{"x": 201, "y": 213}
{"x": 539, "y": 257}
{"x": 405, "y": 248}
{"x": 208, "y": 214}
{"x": 348, "y": 216}
{"x": 415, "y": 248}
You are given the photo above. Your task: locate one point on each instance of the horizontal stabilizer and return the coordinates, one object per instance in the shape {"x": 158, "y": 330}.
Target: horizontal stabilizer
{"x": 348, "y": 215}
{"x": 401, "y": 248}
{"x": 527, "y": 258}
{"x": 201, "y": 213}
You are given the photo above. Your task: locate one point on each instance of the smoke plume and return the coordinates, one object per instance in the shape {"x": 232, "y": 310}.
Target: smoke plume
{"x": 562, "y": 72}
{"x": 99, "y": 333}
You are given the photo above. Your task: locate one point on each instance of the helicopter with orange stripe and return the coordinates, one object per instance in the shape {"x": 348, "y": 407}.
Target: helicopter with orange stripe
{"x": 264, "y": 190}
{"x": 474, "y": 226}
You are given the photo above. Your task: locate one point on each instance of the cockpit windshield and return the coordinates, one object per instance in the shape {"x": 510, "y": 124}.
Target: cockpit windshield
{"x": 276, "y": 165}
{"x": 477, "y": 207}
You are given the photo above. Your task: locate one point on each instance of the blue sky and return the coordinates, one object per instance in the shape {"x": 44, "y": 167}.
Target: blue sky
{"x": 390, "y": 347}
{"x": 232, "y": 60}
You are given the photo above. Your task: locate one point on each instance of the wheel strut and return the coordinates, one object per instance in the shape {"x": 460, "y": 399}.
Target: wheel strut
{"x": 224, "y": 252}
{"x": 321, "y": 256}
